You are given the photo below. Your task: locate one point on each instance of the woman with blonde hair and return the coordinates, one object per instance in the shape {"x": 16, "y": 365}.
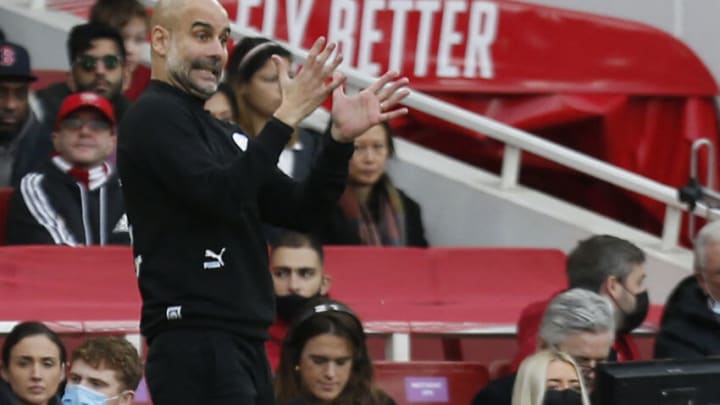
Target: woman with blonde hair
{"x": 549, "y": 378}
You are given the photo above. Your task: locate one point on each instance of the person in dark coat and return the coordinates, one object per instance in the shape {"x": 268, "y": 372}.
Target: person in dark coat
{"x": 24, "y": 140}
{"x": 690, "y": 326}
{"x": 372, "y": 211}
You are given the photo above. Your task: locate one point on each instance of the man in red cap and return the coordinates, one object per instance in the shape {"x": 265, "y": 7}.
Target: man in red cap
{"x": 24, "y": 140}
{"x": 75, "y": 198}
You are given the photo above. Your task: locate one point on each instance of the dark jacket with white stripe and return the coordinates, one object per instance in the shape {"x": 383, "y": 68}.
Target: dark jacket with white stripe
{"x": 197, "y": 192}
{"x": 50, "y": 207}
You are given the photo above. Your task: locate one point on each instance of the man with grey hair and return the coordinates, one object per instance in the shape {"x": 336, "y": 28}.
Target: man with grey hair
{"x": 609, "y": 266}
{"x": 578, "y": 322}
{"x": 690, "y": 326}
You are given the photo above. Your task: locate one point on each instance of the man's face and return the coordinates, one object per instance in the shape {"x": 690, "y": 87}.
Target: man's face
{"x": 84, "y": 138}
{"x": 624, "y": 295}
{"x": 197, "y": 48}
{"x": 99, "y": 69}
{"x": 709, "y": 277}
{"x": 297, "y": 271}
{"x": 587, "y": 349}
{"x": 102, "y": 380}
{"x": 13, "y": 105}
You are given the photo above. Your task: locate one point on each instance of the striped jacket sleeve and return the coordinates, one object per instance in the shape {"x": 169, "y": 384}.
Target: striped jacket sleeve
{"x": 32, "y": 219}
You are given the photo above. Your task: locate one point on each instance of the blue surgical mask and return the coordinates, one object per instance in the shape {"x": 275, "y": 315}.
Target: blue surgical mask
{"x": 76, "y": 394}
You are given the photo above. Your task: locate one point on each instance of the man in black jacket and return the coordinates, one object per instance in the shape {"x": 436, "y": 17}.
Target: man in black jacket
{"x": 690, "y": 326}
{"x": 75, "y": 198}
{"x": 198, "y": 190}
{"x": 24, "y": 140}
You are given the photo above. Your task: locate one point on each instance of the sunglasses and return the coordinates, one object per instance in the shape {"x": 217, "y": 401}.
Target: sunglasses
{"x": 77, "y": 124}
{"x": 89, "y": 63}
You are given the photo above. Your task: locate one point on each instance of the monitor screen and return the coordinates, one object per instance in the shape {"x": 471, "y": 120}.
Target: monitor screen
{"x": 658, "y": 382}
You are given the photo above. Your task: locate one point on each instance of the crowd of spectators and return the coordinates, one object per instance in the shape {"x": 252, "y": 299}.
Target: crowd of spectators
{"x": 60, "y": 158}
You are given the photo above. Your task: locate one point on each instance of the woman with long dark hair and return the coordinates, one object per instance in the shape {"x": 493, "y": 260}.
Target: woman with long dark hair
{"x": 33, "y": 365}
{"x": 324, "y": 359}
{"x": 372, "y": 211}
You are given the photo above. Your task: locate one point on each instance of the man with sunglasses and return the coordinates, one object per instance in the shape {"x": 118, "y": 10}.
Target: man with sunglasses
{"x": 97, "y": 59}
{"x": 75, "y": 198}
{"x": 22, "y": 136}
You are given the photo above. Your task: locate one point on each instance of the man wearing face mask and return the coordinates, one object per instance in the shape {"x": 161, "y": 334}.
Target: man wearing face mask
{"x": 104, "y": 370}
{"x": 690, "y": 326}
{"x": 296, "y": 265}
{"x": 577, "y": 322}
{"x": 609, "y": 266}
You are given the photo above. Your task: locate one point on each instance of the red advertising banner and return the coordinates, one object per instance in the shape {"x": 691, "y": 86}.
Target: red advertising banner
{"x": 487, "y": 46}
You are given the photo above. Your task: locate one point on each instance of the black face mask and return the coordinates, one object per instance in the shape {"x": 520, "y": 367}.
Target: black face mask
{"x": 562, "y": 397}
{"x": 633, "y": 319}
{"x": 288, "y": 306}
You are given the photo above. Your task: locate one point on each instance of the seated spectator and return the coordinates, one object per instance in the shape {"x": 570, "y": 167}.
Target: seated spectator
{"x": 690, "y": 326}
{"x": 296, "y": 264}
{"x": 372, "y": 211}
{"x": 104, "y": 370}
{"x": 75, "y": 199}
{"x": 97, "y": 59}
{"x": 325, "y": 359}
{"x": 24, "y": 140}
{"x": 254, "y": 79}
{"x": 549, "y": 378}
{"x": 33, "y": 366}
{"x": 222, "y": 105}
{"x": 609, "y": 266}
{"x": 130, "y": 18}
{"x": 578, "y": 322}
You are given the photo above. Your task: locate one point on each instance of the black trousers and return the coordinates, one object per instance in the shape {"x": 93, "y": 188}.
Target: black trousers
{"x": 198, "y": 367}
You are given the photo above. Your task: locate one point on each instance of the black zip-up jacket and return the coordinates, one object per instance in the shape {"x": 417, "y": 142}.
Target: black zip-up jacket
{"x": 197, "y": 192}
{"x": 689, "y": 329}
{"x": 50, "y": 207}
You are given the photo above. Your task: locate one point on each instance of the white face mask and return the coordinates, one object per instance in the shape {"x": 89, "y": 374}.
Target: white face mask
{"x": 80, "y": 395}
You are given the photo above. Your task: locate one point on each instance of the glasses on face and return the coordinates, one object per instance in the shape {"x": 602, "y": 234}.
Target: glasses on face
{"x": 76, "y": 124}
{"x": 89, "y": 63}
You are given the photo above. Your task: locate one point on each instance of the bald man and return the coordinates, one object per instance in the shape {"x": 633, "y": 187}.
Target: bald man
{"x": 197, "y": 191}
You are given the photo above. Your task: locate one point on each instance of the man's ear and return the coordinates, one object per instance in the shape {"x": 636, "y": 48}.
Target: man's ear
{"x": 611, "y": 287}
{"x": 325, "y": 284}
{"x": 160, "y": 40}
{"x": 127, "y": 397}
{"x": 3, "y": 373}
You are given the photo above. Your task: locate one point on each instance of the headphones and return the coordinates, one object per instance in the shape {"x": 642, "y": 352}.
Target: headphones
{"x": 329, "y": 306}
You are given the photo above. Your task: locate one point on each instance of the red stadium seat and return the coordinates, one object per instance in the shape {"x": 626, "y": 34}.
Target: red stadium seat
{"x": 431, "y": 382}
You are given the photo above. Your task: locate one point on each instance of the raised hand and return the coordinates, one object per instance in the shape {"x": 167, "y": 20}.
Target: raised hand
{"x": 353, "y": 115}
{"x": 303, "y": 93}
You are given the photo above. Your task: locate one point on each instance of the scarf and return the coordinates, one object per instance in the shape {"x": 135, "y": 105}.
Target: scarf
{"x": 381, "y": 220}
{"x": 92, "y": 178}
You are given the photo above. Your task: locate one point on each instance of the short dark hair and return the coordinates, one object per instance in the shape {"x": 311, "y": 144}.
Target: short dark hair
{"x": 240, "y": 69}
{"x": 28, "y": 329}
{"x": 117, "y": 13}
{"x": 82, "y": 36}
{"x": 595, "y": 259}
{"x": 114, "y": 353}
{"x": 292, "y": 239}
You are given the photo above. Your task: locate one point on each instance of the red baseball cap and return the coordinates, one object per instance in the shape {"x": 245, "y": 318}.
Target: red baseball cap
{"x": 85, "y": 99}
